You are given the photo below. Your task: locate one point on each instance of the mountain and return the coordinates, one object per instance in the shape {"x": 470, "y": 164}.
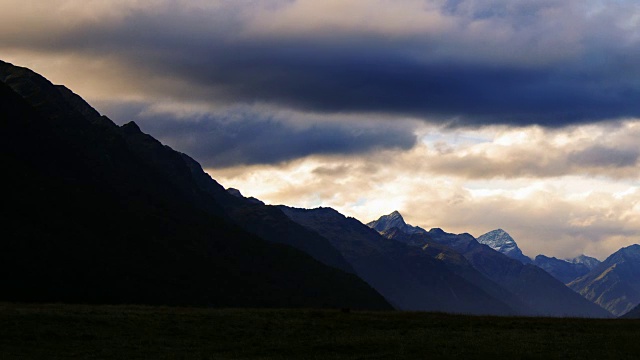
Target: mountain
{"x": 585, "y": 260}
{"x": 615, "y": 283}
{"x": 394, "y": 220}
{"x": 459, "y": 265}
{"x": 501, "y": 241}
{"x": 406, "y": 276}
{"x": 562, "y": 270}
{"x": 97, "y": 213}
{"x": 633, "y": 314}
{"x": 540, "y": 292}
{"x": 534, "y": 286}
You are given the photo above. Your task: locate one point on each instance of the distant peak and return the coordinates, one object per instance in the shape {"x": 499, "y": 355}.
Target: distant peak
{"x": 588, "y": 261}
{"x": 394, "y": 220}
{"x": 501, "y": 241}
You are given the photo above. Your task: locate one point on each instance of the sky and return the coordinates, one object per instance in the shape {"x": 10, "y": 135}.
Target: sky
{"x": 467, "y": 115}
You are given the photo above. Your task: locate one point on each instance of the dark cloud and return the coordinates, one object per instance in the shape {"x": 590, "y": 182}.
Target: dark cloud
{"x": 245, "y": 137}
{"x": 532, "y": 76}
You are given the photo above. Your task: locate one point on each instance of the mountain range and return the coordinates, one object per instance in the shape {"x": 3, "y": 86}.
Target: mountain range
{"x": 98, "y": 213}
{"x": 613, "y": 284}
{"x": 561, "y": 269}
{"x": 540, "y": 293}
{"x": 406, "y": 276}
{"x": 101, "y": 213}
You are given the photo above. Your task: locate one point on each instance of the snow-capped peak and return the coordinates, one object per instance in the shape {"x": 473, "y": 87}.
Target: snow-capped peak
{"x": 394, "y": 220}
{"x": 501, "y": 241}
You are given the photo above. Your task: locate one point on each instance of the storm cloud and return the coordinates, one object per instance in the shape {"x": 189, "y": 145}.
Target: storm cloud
{"x": 245, "y": 136}
{"x": 464, "y": 62}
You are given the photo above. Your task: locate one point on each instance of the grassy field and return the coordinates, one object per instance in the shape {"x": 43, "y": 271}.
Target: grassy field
{"x": 137, "y": 332}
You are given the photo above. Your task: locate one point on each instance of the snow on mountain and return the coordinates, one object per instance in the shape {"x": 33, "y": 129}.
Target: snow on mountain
{"x": 395, "y": 220}
{"x": 585, "y": 260}
{"x": 501, "y": 241}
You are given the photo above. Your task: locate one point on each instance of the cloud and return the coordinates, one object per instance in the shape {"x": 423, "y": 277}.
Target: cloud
{"x": 608, "y": 150}
{"x": 562, "y": 217}
{"x": 466, "y": 62}
{"x": 558, "y": 192}
{"x": 241, "y": 136}
{"x": 598, "y": 157}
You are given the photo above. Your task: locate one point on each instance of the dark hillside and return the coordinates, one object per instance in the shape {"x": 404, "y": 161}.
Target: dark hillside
{"x": 90, "y": 216}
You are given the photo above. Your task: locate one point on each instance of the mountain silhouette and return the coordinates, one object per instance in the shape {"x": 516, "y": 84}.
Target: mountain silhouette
{"x": 97, "y": 213}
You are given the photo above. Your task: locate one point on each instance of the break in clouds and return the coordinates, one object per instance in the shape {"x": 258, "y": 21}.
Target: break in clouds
{"x": 463, "y": 114}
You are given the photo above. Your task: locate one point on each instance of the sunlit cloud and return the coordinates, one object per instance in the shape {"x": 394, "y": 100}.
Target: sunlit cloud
{"x": 553, "y": 207}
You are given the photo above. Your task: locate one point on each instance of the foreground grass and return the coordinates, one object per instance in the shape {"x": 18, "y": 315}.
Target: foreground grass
{"x": 137, "y": 332}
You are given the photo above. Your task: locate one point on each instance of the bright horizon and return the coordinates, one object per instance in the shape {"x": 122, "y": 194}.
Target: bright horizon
{"x": 464, "y": 115}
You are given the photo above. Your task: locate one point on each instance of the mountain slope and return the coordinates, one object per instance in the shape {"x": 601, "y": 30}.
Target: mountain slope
{"x": 561, "y": 269}
{"x": 406, "y": 276}
{"x": 460, "y": 266}
{"x": 98, "y": 213}
{"x": 534, "y": 286}
{"x": 502, "y": 242}
{"x": 615, "y": 283}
